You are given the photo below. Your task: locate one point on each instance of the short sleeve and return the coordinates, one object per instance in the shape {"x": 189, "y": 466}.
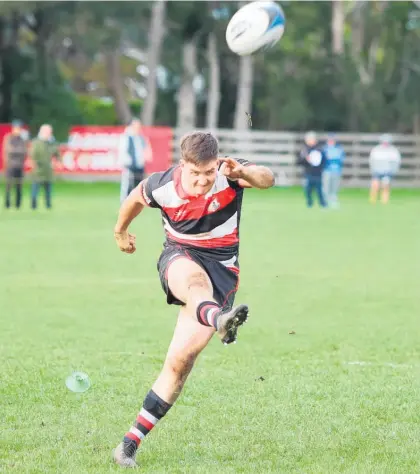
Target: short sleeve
{"x": 149, "y": 185}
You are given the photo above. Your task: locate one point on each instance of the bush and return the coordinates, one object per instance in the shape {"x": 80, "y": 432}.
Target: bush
{"x": 97, "y": 111}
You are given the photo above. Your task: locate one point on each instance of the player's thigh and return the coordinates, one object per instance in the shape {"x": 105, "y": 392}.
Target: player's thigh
{"x": 189, "y": 339}
{"x": 183, "y": 272}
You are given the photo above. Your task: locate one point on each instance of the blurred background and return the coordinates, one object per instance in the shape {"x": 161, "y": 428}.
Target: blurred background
{"x": 348, "y": 67}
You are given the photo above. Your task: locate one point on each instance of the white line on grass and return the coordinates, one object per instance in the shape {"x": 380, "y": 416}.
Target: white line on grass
{"x": 383, "y": 364}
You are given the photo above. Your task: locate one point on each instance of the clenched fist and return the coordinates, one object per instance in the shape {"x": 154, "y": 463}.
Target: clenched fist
{"x": 125, "y": 241}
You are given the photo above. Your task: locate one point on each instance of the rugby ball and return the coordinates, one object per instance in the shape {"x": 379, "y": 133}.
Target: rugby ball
{"x": 256, "y": 26}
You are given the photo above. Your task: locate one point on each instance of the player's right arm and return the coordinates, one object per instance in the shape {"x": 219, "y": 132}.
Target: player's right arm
{"x": 129, "y": 210}
{"x": 139, "y": 198}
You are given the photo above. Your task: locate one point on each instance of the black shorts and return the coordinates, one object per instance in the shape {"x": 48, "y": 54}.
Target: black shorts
{"x": 225, "y": 280}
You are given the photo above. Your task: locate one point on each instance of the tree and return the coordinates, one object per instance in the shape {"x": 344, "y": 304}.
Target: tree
{"x": 213, "y": 97}
{"x": 155, "y": 41}
{"x": 244, "y": 90}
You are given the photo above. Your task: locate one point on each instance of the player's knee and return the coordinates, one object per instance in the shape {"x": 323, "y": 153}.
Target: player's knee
{"x": 181, "y": 365}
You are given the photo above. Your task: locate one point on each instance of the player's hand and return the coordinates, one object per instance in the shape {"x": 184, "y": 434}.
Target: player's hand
{"x": 231, "y": 168}
{"x": 125, "y": 241}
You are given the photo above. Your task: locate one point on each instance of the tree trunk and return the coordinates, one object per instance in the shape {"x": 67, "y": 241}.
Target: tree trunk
{"x": 156, "y": 35}
{"x": 213, "y": 98}
{"x": 186, "y": 94}
{"x": 244, "y": 93}
{"x": 357, "y": 29}
{"x": 416, "y": 124}
{"x": 337, "y": 26}
{"x": 41, "y": 30}
{"x": 116, "y": 86}
{"x": 8, "y": 52}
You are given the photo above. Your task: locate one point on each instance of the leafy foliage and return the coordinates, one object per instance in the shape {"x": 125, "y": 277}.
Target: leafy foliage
{"x": 300, "y": 83}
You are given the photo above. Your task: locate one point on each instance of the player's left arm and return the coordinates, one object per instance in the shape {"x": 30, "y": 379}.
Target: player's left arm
{"x": 139, "y": 198}
{"x": 256, "y": 176}
{"x": 247, "y": 174}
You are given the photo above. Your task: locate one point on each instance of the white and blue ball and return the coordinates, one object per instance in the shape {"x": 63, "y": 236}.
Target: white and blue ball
{"x": 256, "y": 26}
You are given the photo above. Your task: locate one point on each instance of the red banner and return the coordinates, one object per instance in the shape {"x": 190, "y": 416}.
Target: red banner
{"x": 94, "y": 149}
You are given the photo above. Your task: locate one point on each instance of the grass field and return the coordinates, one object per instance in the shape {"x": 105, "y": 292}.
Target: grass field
{"x": 342, "y": 394}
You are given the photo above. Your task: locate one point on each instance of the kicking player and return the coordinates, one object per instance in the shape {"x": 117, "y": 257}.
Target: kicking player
{"x": 200, "y": 200}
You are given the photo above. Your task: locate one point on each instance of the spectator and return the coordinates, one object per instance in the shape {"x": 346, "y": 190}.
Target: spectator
{"x": 384, "y": 161}
{"x": 43, "y": 150}
{"x": 14, "y": 152}
{"x": 332, "y": 173}
{"x": 134, "y": 151}
{"x": 313, "y": 159}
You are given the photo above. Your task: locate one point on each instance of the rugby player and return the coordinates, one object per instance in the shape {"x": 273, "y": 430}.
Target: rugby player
{"x": 200, "y": 201}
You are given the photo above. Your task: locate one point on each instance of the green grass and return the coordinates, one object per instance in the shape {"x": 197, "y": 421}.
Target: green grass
{"x": 346, "y": 282}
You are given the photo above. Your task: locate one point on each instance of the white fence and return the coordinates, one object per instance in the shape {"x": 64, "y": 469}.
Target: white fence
{"x": 278, "y": 150}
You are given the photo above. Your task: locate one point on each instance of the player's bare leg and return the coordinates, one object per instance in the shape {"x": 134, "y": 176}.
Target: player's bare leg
{"x": 191, "y": 284}
{"x": 197, "y": 322}
{"x": 189, "y": 339}
{"x": 374, "y": 188}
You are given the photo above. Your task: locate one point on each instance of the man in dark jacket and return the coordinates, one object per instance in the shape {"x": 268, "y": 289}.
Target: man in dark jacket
{"x": 14, "y": 152}
{"x": 312, "y": 157}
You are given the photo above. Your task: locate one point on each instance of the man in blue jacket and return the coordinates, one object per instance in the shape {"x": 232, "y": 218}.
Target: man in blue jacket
{"x": 313, "y": 159}
{"x": 332, "y": 174}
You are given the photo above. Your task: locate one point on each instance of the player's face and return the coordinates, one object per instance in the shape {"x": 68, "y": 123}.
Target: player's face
{"x": 199, "y": 179}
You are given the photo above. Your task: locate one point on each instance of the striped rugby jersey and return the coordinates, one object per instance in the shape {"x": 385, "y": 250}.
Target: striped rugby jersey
{"x": 209, "y": 222}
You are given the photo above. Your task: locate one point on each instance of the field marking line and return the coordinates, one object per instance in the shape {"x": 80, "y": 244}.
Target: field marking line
{"x": 393, "y": 365}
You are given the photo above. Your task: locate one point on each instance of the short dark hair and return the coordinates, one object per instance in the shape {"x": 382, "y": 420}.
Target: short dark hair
{"x": 199, "y": 147}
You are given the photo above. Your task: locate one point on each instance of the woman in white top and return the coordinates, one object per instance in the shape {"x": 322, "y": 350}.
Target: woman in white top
{"x": 384, "y": 161}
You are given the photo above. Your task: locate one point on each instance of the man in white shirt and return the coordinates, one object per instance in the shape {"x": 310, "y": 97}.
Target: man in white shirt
{"x": 384, "y": 161}
{"x": 134, "y": 151}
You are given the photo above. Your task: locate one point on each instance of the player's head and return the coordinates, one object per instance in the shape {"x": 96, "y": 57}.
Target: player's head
{"x": 311, "y": 138}
{"x": 199, "y": 161}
